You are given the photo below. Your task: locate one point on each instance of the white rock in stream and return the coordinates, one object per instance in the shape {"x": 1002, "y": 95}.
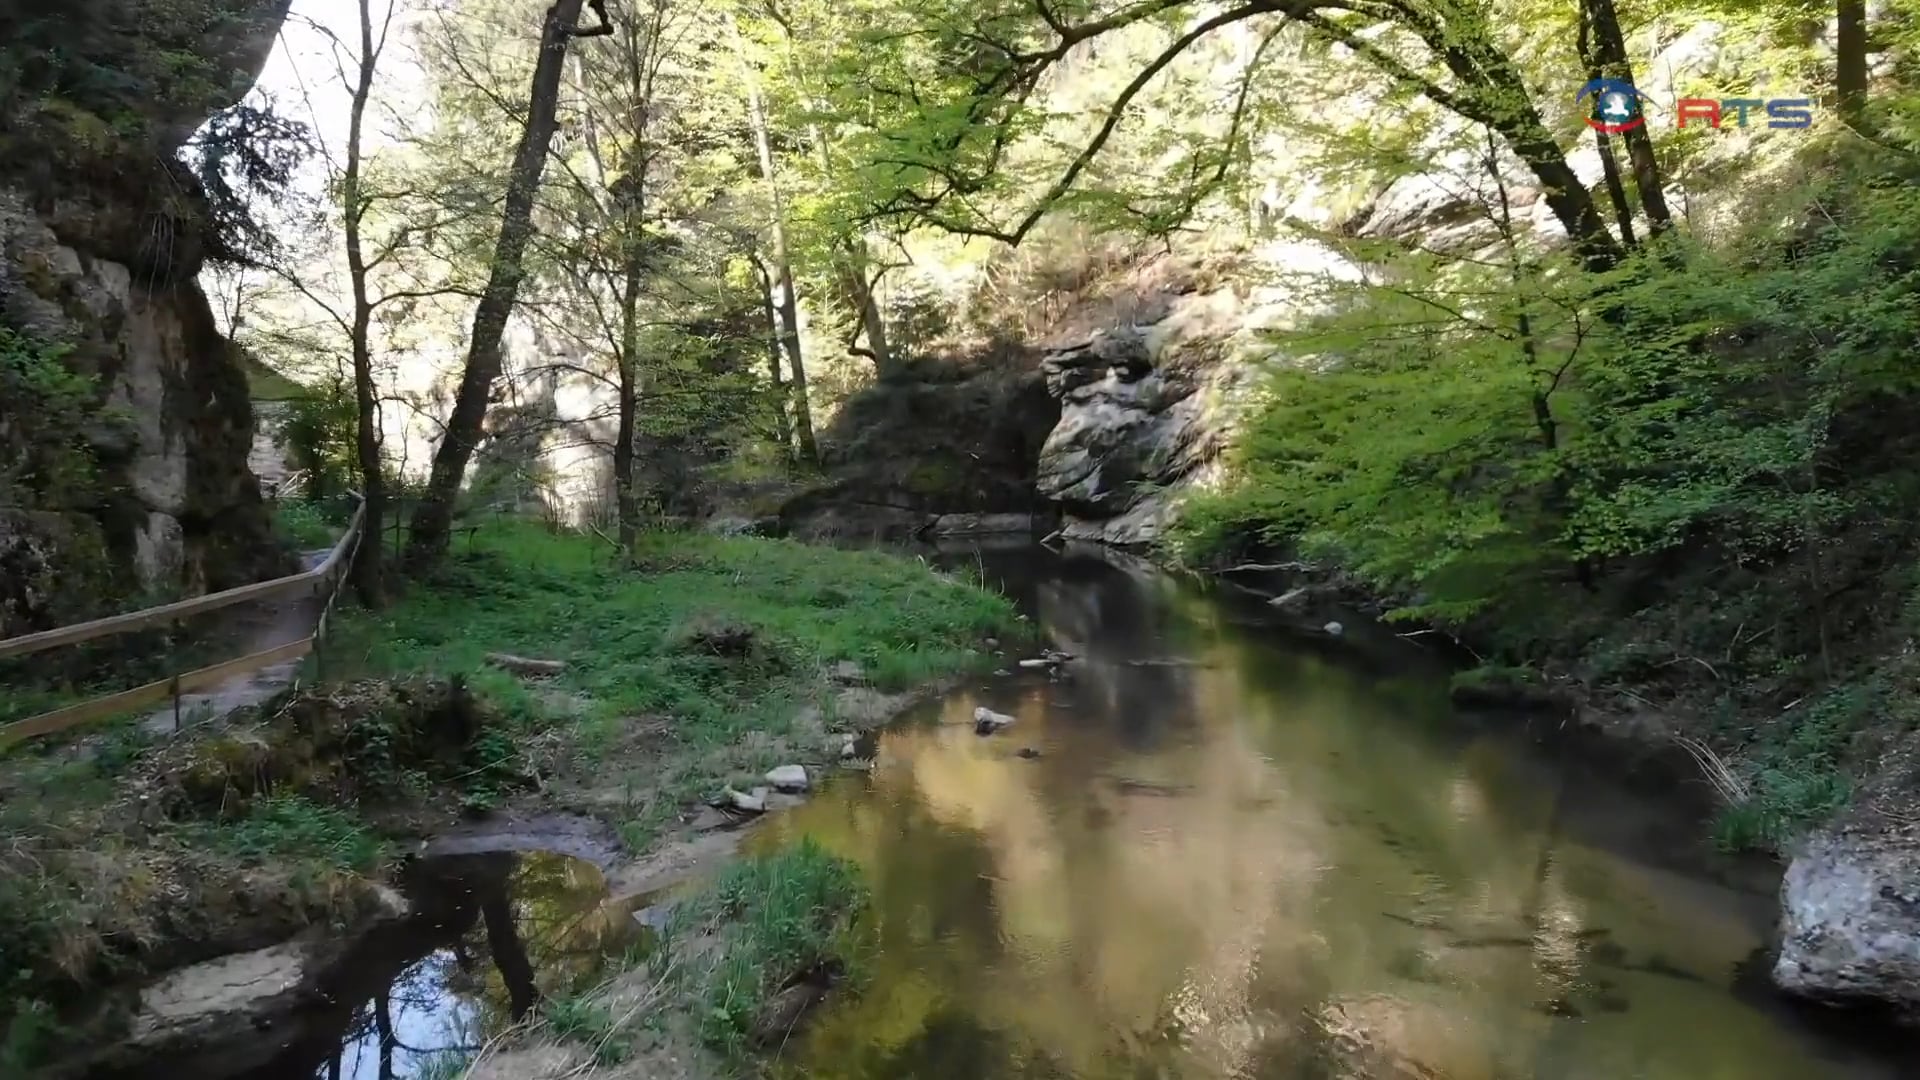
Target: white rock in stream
{"x": 1850, "y": 919}
{"x": 986, "y": 721}
{"x": 1334, "y": 629}
{"x": 755, "y": 803}
{"x": 788, "y": 778}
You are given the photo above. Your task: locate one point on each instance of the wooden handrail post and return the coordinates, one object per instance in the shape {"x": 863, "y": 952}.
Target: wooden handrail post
{"x": 174, "y": 688}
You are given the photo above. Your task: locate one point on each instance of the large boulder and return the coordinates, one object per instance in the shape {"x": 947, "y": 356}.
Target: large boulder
{"x": 1850, "y": 903}
{"x": 1146, "y": 407}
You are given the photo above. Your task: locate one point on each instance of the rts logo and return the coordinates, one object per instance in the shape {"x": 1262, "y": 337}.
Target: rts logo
{"x": 1614, "y": 106}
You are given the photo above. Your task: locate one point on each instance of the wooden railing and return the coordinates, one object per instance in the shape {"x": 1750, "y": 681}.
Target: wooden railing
{"x": 325, "y": 578}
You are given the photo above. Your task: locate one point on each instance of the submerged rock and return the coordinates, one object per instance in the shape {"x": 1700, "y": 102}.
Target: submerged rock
{"x": 982, "y": 524}
{"x": 986, "y": 721}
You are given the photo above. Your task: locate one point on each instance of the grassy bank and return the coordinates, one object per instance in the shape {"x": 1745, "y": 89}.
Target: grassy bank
{"x": 695, "y": 666}
{"x": 704, "y": 663}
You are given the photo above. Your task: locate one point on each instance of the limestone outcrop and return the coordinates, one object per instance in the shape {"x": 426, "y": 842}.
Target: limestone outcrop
{"x": 102, "y": 234}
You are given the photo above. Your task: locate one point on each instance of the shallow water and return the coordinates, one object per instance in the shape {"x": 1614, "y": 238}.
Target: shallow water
{"x": 1254, "y": 858}
{"x": 490, "y": 935}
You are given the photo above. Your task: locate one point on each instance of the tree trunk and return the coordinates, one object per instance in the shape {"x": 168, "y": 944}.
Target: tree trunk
{"x": 383, "y": 1031}
{"x": 851, "y": 266}
{"x": 369, "y": 561}
{"x": 1610, "y": 56}
{"x": 785, "y": 300}
{"x": 509, "y": 953}
{"x": 1568, "y": 198}
{"x": 1609, "y": 165}
{"x": 1616, "y": 190}
{"x": 433, "y": 518}
{"x": 781, "y": 426}
{"x": 626, "y": 496}
{"x": 1850, "y": 58}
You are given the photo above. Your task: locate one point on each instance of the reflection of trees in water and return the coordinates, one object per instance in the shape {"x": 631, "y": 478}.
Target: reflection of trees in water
{"x": 490, "y": 935}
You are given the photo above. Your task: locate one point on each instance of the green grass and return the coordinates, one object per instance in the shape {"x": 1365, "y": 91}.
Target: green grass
{"x": 303, "y": 525}
{"x": 702, "y": 643}
{"x": 284, "y": 828}
{"x": 592, "y": 1024}
{"x": 631, "y": 635}
{"x": 1796, "y": 769}
{"x": 778, "y": 915}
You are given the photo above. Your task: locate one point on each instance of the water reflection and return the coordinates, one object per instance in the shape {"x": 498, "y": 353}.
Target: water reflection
{"x": 495, "y": 934}
{"x": 1255, "y": 862}
{"x": 488, "y": 936}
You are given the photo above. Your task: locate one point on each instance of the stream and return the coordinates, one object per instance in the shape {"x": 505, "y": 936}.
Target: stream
{"x": 1209, "y": 848}
{"x": 1240, "y": 854}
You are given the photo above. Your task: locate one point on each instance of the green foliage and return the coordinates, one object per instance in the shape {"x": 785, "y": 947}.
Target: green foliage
{"x": 291, "y": 827}
{"x": 32, "y": 1034}
{"x": 1702, "y": 400}
{"x": 780, "y": 915}
{"x": 318, "y": 430}
{"x": 302, "y": 524}
{"x": 1796, "y": 767}
{"x": 46, "y": 412}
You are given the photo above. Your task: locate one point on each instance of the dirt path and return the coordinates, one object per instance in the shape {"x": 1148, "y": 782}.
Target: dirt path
{"x": 253, "y": 628}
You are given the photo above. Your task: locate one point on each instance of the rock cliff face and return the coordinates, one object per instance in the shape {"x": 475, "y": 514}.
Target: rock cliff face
{"x": 102, "y": 233}
{"x": 1146, "y": 407}
{"x": 955, "y": 440}
{"x": 1149, "y": 404}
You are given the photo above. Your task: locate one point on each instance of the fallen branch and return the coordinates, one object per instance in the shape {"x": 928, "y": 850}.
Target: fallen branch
{"x": 1711, "y": 670}
{"x": 1724, "y": 780}
{"x": 523, "y": 665}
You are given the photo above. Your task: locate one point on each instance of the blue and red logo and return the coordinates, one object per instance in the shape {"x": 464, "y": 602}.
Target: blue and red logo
{"x": 1613, "y": 105}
